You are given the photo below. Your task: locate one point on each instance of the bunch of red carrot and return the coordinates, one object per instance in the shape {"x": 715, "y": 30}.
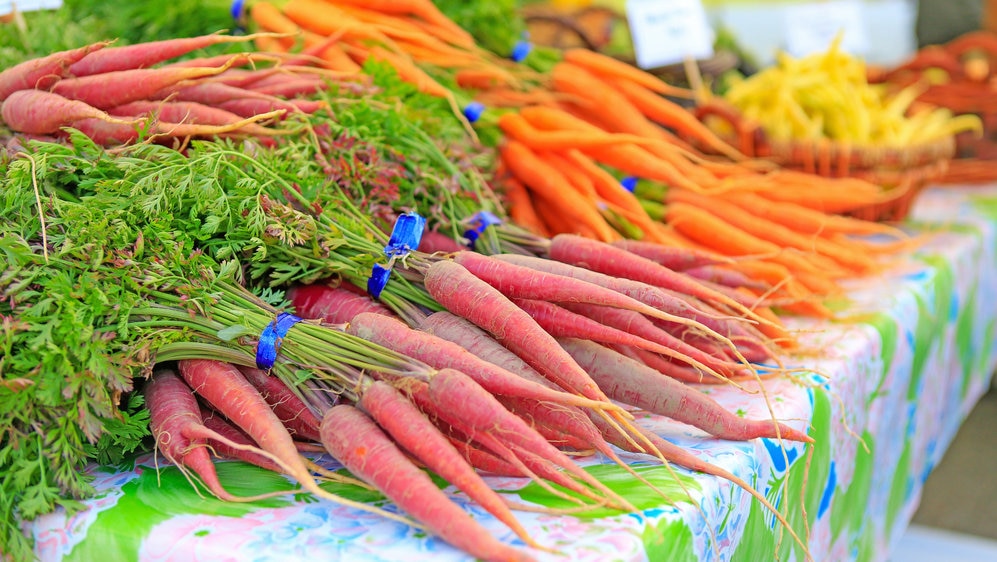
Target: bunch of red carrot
{"x": 117, "y": 95}
{"x": 530, "y": 359}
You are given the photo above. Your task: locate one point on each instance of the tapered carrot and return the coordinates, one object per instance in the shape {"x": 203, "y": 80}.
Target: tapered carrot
{"x": 464, "y": 294}
{"x": 180, "y": 434}
{"x": 41, "y": 73}
{"x": 539, "y": 176}
{"x": 613, "y": 70}
{"x": 673, "y": 257}
{"x": 356, "y": 441}
{"x": 809, "y": 221}
{"x": 425, "y": 10}
{"x": 149, "y": 53}
{"x": 563, "y": 323}
{"x": 515, "y": 126}
{"x": 457, "y": 393}
{"x": 606, "y": 186}
{"x": 464, "y": 333}
{"x": 638, "y": 162}
{"x": 641, "y": 386}
{"x": 703, "y": 227}
{"x": 409, "y": 72}
{"x": 557, "y": 221}
{"x": 223, "y": 387}
{"x": 335, "y": 305}
{"x": 439, "y": 353}
{"x": 111, "y": 89}
{"x": 292, "y": 411}
{"x": 577, "y": 178}
{"x": 669, "y": 302}
{"x": 611, "y": 260}
{"x": 679, "y": 119}
{"x": 188, "y": 112}
{"x": 38, "y": 112}
{"x": 521, "y": 208}
{"x": 481, "y": 79}
{"x": 638, "y": 325}
{"x": 598, "y": 96}
{"x": 269, "y": 17}
{"x": 775, "y": 232}
{"x": 413, "y": 431}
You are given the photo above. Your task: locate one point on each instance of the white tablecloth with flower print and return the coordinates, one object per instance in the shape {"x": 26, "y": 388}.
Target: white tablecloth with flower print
{"x": 897, "y": 375}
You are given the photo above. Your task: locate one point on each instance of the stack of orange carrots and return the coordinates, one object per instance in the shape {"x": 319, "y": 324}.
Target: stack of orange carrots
{"x": 571, "y": 134}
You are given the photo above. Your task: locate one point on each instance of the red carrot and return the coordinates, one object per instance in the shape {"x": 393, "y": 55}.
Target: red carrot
{"x": 188, "y": 112}
{"x": 458, "y": 428}
{"x": 111, "y": 89}
{"x": 562, "y": 323}
{"x": 433, "y": 241}
{"x": 354, "y": 440}
{"x": 248, "y": 107}
{"x": 41, "y": 73}
{"x": 464, "y": 294}
{"x": 37, "y": 112}
{"x": 441, "y": 354}
{"x": 667, "y": 367}
{"x": 653, "y": 296}
{"x": 612, "y": 260}
{"x": 639, "y": 325}
{"x": 672, "y": 257}
{"x": 215, "y": 422}
{"x": 292, "y": 410}
{"x": 464, "y": 333}
{"x": 179, "y": 431}
{"x": 291, "y": 87}
{"x": 455, "y": 392}
{"x": 413, "y": 431}
{"x": 223, "y": 387}
{"x": 633, "y": 383}
{"x": 336, "y": 305}
{"x": 483, "y": 460}
{"x": 522, "y": 282}
{"x": 142, "y": 55}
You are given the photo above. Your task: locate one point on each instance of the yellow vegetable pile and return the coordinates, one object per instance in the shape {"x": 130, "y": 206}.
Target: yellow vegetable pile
{"x": 827, "y": 96}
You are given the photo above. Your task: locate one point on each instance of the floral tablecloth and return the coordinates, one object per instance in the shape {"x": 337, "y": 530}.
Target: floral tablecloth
{"x": 896, "y": 376}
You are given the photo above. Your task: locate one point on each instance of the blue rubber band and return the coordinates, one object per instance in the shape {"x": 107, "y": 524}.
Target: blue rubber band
{"x": 480, "y": 221}
{"x": 629, "y": 183}
{"x": 520, "y": 51}
{"x": 238, "y": 10}
{"x": 271, "y": 338}
{"x": 405, "y": 237}
{"x": 473, "y": 111}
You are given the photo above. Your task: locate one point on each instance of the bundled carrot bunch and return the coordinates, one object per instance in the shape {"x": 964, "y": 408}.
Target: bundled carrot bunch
{"x": 527, "y": 364}
{"x": 117, "y": 95}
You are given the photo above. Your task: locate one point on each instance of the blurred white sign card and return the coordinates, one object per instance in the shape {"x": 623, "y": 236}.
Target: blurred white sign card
{"x": 810, "y": 28}
{"x": 667, "y": 31}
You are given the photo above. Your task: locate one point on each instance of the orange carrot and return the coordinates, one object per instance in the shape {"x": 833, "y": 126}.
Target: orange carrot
{"x": 599, "y": 97}
{"x": 543, "y": 178}
{"x": 670, "y": 114}
{"x": 606, "y": 186}
{"x": 517, "y": 127}
{"x": 269, "y": 17}
{"x": 521, "y": 208}
{"x": 809, "y": 221}
{"x": 614, "y": 69}
{"x": 424, "y": 10}
{"x": 774, "y": 231}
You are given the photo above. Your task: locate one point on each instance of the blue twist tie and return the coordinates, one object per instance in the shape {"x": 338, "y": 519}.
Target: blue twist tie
{"x": 271, "y": 338}
{"x": 473, "y": 111}
{"x": 405, "y": 237}
{"x": 238, "y": 13}
{"x": 520, "y": 51}
{"x": 629, "y": 183}
{"x": 479, "y": 222}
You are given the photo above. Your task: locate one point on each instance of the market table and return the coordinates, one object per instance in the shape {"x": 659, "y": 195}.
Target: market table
{"x": 894, "y": 379}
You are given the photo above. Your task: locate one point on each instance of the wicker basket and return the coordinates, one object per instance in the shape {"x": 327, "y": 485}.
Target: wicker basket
{"x": 901, "y": 172}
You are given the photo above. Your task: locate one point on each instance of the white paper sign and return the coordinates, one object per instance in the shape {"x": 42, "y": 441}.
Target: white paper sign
{"x": 668, "y": 31}
{"x": 810, "y": 28}
{"x": 7, "y": 6}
